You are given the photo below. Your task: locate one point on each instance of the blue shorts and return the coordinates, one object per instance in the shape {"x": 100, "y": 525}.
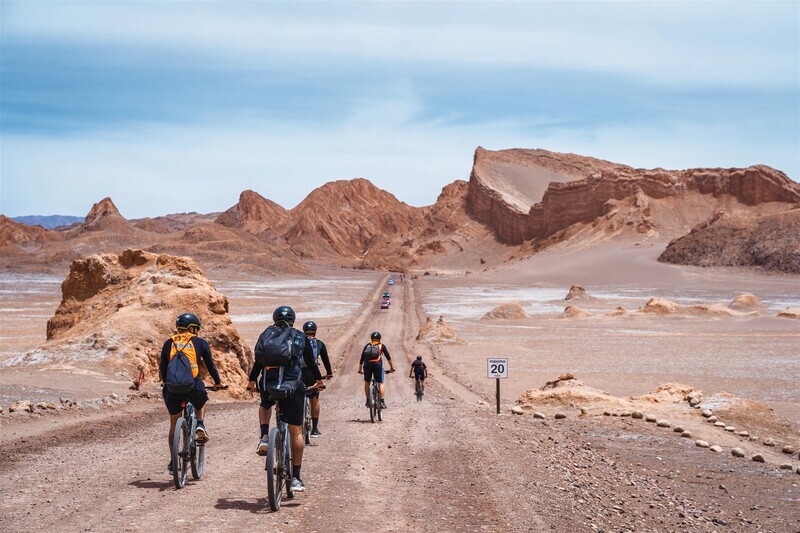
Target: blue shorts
{"x": 373, "y": 369}
{"x": 198, "y": 397}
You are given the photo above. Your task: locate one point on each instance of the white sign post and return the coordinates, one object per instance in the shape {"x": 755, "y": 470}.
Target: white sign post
{"x": 497, "y": 368}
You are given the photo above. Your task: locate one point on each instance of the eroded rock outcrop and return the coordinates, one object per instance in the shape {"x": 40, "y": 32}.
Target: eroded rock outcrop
{"x": 12, "y": 232}
{"x": 255, "y": 215}
{"x": 507, "y": 311}
{"x": 771, "y": 242}
{"x": 438, "y": 332}
{"x": 119, "y": 309}
{"x": 104, "y": 215}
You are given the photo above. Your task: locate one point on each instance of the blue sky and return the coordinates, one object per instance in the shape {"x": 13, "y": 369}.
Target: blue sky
{"x": 172, "y": 107}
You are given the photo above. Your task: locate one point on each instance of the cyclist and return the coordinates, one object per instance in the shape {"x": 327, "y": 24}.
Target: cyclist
{"x": 187, "y": 341}
{"x": 419, "y": 371}
{"x": 372, "y": 365}
{"x": 292, "y": 407}
{"x": 320, "y": 352}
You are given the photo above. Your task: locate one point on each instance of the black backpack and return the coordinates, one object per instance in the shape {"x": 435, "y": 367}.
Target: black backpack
{"x": 373, "y": 353}
{"x": 275, "y": 347}
{"x": 180, "y": 378}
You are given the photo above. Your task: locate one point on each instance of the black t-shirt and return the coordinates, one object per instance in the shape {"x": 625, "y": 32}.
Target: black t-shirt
{"x": 419, "y": 367}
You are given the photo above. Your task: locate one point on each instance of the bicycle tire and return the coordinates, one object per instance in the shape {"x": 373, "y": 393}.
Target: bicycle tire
{"x": 273, "y": 468}
{"x": 180, "y": 448}
{"x": 372, "y": 405}
{"x": 377, "y": 403}
{"x": 307, "y": 421}
{"x": 198, "y": 460}
{"x": 287, "y": 464}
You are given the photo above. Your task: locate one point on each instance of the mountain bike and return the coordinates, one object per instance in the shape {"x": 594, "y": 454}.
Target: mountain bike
{"x": 186, "y": 450}
{"x": 418, "y": 390}
{"x": 375, "y": 400}
{"x": 279, "y": 459}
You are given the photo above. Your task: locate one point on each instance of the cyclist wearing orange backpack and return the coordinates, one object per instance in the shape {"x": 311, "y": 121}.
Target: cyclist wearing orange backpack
{"x": 179, "y": 371}
{"x": 371, "y": 365}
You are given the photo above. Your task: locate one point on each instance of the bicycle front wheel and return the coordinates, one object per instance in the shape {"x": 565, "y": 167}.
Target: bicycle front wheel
{"x": 274, "y": 469}
{"x": 307, "y": 421}
{"x": 180, "y": 453}
{"x": 198, "y": 458}
{"x": 372, "y": 406}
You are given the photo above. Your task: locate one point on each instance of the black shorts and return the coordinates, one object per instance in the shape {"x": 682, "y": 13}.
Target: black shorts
{"x": 198, "y": 397}
{"x": 309, "y": 380}
{"x": 420, "y": 376}
{"x": 291, "y": 408}
{"x": 373, "y": 369}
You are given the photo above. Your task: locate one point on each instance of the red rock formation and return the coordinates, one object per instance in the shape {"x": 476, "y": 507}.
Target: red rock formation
{"x": 254, "y": 214}
{"x": 104, "y": 215}
{"x": 347, "y": 219}
{"x": 12, "y": 232}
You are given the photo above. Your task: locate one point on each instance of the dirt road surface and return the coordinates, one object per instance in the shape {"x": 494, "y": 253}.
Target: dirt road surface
{"x": 445, "y": 464}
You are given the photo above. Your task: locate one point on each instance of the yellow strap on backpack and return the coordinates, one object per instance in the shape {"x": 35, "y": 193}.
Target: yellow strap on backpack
{"x": 380, "y": 353}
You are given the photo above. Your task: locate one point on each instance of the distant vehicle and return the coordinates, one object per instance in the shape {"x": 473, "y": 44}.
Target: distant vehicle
{"x": 386, "y": 295}
{"x": 391, "y": 281}
{"x": 385, "y": 304}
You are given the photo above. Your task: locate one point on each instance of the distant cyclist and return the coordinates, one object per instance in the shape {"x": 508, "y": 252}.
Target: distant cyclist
{"x": 291, "y": 408}
{"x": 419, "y": 371}
{"x": 187, "y": 343}
{"x": 371, "y": 365}
{"x": 320, "y": 352}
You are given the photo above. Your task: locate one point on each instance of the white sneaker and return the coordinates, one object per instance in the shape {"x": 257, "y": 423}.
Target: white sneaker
{"x": 201, "y": 434}
{"x": 297, "y": 485}
{"x": 263, "y": 446}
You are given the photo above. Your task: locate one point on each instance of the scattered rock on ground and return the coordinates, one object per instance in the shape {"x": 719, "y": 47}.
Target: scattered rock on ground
{"x": 707, "y": 413}
{"x": 649, "y": 418}
{"x": 686, "y": 434}
{"x": 712, "y": 418}
{"x": 737, "y": 452}
{"x": 719, "y": 424}
{"x": 517, "y": 410}
{"x": 769, "y": 442}
{"x": 678, "y": 429}
{"x": 730, "y": 429}
{"x": 663, "y": 424}
{"x": 701, "y": 444}
{"x": 789, "y": 449}
{"x": 744, "y": 433}
{"x": 438, "y": 332}
{"x": 758, "y": 458}
{"x": 786, "y": 466}
{"x": 21, "y": 406}
{"x": 539, "y": 415}
{"x": 507, "y": 311}
{"x": 637, "y": 414}
{"x": 560, "y": 415}
{"x": 790, "y": 312}
{"x": 573, "y": 311}
{"x": 716, "y": 448}
{"x": 746, "y": 302}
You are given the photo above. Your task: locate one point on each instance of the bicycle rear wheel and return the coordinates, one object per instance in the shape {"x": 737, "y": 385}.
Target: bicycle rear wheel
{"x": 377, "y": 403}
{"x": 419, "y": 391}
{"x": 287, "y": 465}
{"x": 372, "y": 405}
{"x": 274, "y": 469}
{"x": 180, "y": 453}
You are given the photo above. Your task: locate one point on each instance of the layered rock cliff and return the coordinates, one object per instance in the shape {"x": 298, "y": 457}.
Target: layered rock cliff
{"x": 12, "y": 233}
{"x": 505, "y": 186}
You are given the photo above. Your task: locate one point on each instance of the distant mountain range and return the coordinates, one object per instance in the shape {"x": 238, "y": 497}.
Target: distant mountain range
{"x": 48, "y": 221}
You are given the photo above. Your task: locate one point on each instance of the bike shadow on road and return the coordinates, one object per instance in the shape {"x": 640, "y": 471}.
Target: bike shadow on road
{"x": 254, "y": 505}
{"x": 357, "y": 421}
{"x": 150, "y": 484}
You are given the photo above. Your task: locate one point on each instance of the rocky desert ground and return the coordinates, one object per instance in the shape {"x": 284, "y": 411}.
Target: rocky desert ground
{"x": 651, "y": 319}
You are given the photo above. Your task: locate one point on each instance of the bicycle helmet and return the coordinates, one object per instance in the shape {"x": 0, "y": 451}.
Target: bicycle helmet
{"x": 284, "y": 314}
{"x": 187, "y": 320}
{"x": 309, "y": 326}
{"x": 376, "y": 336}
{"x": 419, "y": 358}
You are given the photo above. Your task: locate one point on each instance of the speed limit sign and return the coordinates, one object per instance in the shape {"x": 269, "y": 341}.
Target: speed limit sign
{"x": 497, "y": 367}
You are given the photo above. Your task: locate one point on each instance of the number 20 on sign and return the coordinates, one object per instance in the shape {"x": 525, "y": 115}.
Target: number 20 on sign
{"x": 497, "y": 368}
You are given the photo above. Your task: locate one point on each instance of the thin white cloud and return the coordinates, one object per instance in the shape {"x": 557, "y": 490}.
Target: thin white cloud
{"x": 740, "y": 43}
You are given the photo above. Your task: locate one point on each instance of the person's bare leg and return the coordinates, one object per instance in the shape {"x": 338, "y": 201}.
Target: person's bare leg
{"x": 366, "y": 389}
{"x": 314, "y": 407}
{"x": 296, "y": 433}
{"x": 383, "y": 391}
{"x": 172, "y": 420}
{"x": 264, "y": 415}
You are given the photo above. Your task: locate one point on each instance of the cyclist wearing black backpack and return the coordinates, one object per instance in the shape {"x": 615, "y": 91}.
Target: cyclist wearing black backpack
{"x": 320, "y": 353}
{"x": 279, "y": 356}
{"x": 371, "y": 365}
{"x": 179, "y": 370}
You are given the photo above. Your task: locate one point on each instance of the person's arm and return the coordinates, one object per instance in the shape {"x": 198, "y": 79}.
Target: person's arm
{"x": 388, "y": 357}
{"x": 255, "y": 371}
{"x": 425, "y": 368}
{"x": 164, "y": 362}
{"x": 202, "y": 347}
{"x": 323, "y": 353}
{"x": 308, "y": 357}
{"x": 361, "y": 362}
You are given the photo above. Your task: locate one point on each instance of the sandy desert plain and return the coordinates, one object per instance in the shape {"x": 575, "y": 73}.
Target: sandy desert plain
{"x": 604, "y": 422}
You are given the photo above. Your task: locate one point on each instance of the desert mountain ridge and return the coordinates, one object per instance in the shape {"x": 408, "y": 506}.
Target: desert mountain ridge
{"x": 516, "y": 202}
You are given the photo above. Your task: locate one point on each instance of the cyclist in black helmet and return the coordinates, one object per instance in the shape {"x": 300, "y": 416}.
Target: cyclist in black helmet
{"x": 371, "y": 365}
{"x": 419, "y": 371}
{"x": 291, "y": 409}
{"x": 320, "y": 352}
{"x": 187, "y": 341}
